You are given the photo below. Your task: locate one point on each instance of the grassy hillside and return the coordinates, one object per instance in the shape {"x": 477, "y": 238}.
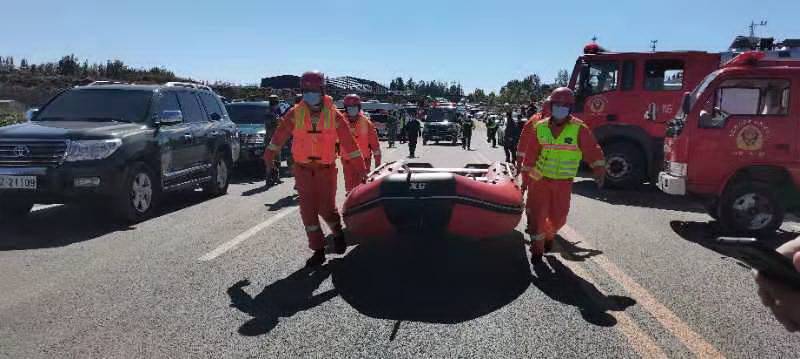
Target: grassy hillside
{"x": 34, "y": 84}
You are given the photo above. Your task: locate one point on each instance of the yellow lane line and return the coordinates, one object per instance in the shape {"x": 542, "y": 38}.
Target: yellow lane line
{"x": 642, "y": 343}
{"x": 691, "y": 339}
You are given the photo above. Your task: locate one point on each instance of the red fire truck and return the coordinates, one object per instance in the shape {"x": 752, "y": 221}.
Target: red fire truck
{"x": 627, "y": 98}
{"x": 734, "y": 143}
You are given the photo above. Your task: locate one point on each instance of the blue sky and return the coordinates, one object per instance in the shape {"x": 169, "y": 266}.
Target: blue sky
{"x": 479, "y": 43}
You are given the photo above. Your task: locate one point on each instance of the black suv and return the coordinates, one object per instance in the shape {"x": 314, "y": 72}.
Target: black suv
{"x": 441, "y": 124}
{"x": 124, "y": 145}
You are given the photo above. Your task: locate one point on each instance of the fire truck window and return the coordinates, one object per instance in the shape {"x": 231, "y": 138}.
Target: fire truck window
{"x": 754, "y": 97}
{"x": 663, "y": 75}
{"x": 738, "y": 101}
{"x": 602, "y": 77}
{"x": 628, "y": 73}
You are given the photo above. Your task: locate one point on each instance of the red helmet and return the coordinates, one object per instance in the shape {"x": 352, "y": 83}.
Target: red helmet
{"x": 312, "y": 80}
{"x": 352, "y": 100}
{"x": 562, "y": 96}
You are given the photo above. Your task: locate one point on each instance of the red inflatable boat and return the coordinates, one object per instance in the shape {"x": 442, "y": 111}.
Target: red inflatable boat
{"x": 476, "y": 201}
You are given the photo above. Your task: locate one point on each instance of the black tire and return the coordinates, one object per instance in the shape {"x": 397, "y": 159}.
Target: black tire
{"x": 625, "y": 165}
{"x": 712, "y": 208}
{"x": 751, "y": 209}
{"x": 14, "y": 209}
{"x": 220, "y": 176}
{"x": 139, "y": 195}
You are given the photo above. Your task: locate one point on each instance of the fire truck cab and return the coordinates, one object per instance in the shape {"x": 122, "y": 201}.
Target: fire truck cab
{"x": 626, "y": 98}
{"x": 735, "y": 143}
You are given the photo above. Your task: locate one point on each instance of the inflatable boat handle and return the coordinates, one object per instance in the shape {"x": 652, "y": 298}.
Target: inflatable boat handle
{"x": 405, "y": 167}
{"x": 451, "y": 170}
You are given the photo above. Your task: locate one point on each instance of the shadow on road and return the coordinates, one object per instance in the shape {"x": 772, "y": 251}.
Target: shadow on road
{"x": 561, "y": 284}
{"x": 281, "y": 299}
{"x": 432, "y": 280}
{"x": 252, "y": 173}
{"x": 701, "y": 232}
{"x": 645, "y": 196}
{"x": 288, "y": 201}
{"x": 572, "y": 252}
{"x": 60, "y": 226}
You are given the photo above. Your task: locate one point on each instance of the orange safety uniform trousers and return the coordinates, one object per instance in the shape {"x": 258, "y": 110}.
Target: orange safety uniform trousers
{"x": 547, "y": 208}
{"x": 316, "y": 185}
{"x": 351, "y": 179}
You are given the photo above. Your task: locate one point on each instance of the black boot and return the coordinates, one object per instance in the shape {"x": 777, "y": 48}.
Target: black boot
{"x": 317, "y": 259}
{"x": 339, "y": 244}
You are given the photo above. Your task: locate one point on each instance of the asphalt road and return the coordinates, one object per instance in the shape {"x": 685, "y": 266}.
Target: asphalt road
{"x": 225, "y": 278}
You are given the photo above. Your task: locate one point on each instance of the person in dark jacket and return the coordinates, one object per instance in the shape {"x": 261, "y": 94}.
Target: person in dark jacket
{"x": 491, "y": 131}
{"x": 412, "y": 130}
{"x": 511, "y": 138}
{"x": 466, "y": 128}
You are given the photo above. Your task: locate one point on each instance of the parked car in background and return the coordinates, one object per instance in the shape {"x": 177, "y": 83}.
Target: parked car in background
{"x": 251, "y": 119}
{"x": 381, "y": 121}
{"x": 122, "y": 146}
{"x": 441, "y": 124}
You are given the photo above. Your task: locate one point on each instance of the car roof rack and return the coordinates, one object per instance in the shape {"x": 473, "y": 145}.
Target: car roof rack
{"x": 106, "y": 82}
{"x": 188, "y": 85}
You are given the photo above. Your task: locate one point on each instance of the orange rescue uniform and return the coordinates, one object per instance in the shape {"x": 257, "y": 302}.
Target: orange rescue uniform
{"x": 548, "y": 200}
{"x": 528, "y": 132}
{"x": 315, "y": 135}
{"x": 366, "y": 136}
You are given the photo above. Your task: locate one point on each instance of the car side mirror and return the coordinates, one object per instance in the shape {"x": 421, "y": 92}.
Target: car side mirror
{"x": 30, "y": 114}
{"x": 714, "y": 119}
{"x": 215, "y": 117}
{"x": 686, "y": 103}
{"x": 169, "y": 117}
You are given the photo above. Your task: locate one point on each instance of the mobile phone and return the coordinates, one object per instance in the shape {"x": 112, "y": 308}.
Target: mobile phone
{"x": 766, "y": 260}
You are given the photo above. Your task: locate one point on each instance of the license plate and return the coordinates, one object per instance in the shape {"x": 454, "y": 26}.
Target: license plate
{"x": 17, "y": 182}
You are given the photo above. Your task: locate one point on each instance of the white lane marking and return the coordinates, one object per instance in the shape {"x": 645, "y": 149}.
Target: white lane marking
{"x": 246, "y": 235}
{"x": 691, "y": 339}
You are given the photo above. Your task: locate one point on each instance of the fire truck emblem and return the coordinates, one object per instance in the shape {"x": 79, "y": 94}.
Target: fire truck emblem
{"x": 750, "y": 138}
{"x": 597, "y": 105}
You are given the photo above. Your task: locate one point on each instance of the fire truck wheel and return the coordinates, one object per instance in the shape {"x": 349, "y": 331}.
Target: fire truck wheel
{"x": 751, "y": 208}
{"x": 712, "y": 208}
{"x": 625, "y": 165}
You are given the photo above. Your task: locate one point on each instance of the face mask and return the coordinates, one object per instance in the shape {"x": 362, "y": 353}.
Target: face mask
{"x": 312, "y": 98}
{"x": 352, "y": 111}
{"x": 560, "y": 112}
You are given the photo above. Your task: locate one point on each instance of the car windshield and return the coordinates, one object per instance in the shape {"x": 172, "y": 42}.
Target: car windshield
{"x": 441, "y": 115}
{"x": 98, "y": 105}
{"x": 247, "y": 114}
{"x": 700, "y": 89}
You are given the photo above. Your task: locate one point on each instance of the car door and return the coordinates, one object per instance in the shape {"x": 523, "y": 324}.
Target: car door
{"x": 195, "y": 116}
{"x": 745, "y": 122}
{"x": 175, "y": 146}
{"x": 214, "y": 129}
